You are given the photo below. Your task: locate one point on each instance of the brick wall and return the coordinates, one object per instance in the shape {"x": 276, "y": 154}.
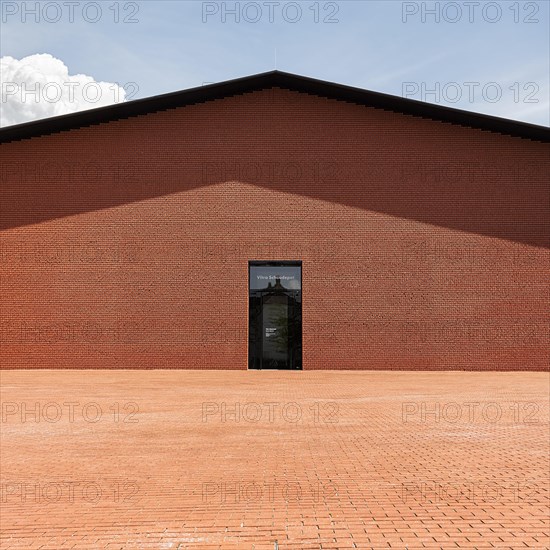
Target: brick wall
{"x": 424, "y": 244}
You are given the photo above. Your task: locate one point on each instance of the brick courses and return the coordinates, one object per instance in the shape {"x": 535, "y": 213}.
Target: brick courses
{"x": 424, "y": 244}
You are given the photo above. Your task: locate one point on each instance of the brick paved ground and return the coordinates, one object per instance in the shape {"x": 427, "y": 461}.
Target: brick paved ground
{"x": 154, "y": 459}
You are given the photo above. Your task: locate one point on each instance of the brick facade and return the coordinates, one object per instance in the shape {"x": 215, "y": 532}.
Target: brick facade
{"x": 425, "y": 245}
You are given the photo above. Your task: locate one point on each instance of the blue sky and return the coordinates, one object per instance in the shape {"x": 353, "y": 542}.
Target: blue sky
{"x": 501, "y": 48}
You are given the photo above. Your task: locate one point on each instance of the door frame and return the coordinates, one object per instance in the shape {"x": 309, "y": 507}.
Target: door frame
{"x": 272, "y": 263}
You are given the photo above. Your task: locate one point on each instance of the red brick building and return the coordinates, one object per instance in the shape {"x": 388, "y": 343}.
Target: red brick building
{"x": 275, "y": 221}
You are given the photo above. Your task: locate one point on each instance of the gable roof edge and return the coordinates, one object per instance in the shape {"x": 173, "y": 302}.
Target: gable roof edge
{"x": 267, "y": 80}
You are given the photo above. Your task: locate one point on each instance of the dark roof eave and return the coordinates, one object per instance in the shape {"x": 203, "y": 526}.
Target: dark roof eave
{"x": 269, "y": 80}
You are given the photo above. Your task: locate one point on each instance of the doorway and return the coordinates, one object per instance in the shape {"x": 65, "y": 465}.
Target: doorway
{"x": 275, "y": 315}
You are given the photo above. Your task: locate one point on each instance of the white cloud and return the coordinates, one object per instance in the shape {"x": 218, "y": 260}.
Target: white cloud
{"x": 39, "y": 86}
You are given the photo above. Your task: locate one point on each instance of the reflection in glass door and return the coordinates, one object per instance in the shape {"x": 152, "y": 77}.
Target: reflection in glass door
{"x": 275, "y": 315}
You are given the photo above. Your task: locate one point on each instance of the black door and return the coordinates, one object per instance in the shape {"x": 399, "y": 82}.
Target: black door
{"x": 275, "y": 315}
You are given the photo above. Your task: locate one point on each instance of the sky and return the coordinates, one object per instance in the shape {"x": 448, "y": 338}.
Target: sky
{"x": 489, "y": 57}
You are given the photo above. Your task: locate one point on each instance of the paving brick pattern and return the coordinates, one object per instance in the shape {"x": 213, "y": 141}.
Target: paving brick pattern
{"x": 307, "y": 460}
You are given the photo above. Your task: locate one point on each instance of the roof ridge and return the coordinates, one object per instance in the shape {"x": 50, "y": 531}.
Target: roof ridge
{"x": 270, "y": 79}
